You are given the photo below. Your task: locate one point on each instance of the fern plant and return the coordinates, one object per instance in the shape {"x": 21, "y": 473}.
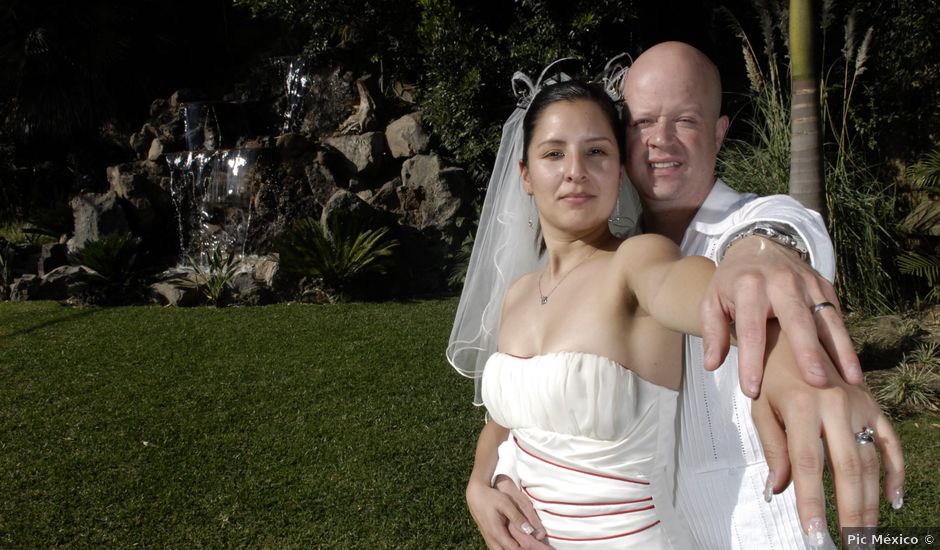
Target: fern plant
{"x": 340, "y": 257}
{"x": 119, "y": 270}
{"x": 212, "y": 278}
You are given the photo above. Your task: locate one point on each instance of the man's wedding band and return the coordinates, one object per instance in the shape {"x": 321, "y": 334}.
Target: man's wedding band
{"x": 821, "y": 306}
{"x": 864, "y": 437}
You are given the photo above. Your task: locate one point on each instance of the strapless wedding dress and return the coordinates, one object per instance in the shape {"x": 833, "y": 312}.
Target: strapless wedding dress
{"x": 595, "y": 446}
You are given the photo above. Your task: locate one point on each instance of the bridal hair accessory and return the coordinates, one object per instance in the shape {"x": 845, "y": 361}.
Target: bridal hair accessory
{"x": 503, "y": 249}
{"x": 864, "y": 437}
{"x": 543, "y": 298}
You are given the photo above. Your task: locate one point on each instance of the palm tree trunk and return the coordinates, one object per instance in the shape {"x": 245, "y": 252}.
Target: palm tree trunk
{"x": 806, "y": 167}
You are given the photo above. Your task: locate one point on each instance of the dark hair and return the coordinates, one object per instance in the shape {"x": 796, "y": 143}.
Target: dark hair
{"x": 571, "y": 90}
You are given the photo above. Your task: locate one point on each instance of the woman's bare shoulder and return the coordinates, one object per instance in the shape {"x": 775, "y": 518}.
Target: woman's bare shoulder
{"x": 647, "y": 246}
{"x": 518, "y": 289}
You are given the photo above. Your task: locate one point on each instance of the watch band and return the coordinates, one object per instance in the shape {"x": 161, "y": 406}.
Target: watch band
{"x": 779, "y": 233}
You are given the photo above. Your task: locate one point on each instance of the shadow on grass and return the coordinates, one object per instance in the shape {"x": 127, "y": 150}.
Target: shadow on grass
{"x": 61, "y": 317}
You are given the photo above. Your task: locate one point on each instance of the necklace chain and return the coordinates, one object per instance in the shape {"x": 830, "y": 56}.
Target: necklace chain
{"x": 543, "y": 298}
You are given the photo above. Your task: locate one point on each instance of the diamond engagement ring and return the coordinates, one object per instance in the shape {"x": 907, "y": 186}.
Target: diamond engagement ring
{"x": 821, "y": 306}
{"x": 864, "y": 437}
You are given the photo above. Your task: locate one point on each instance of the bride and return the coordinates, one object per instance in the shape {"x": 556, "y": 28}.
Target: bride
{"x": 589, "y": 365}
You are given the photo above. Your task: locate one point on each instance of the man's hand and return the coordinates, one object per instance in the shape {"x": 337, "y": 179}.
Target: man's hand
{"x": 759, "y": 280}
{"x": 791, "y": 416}
{"x": 504, "y": 516}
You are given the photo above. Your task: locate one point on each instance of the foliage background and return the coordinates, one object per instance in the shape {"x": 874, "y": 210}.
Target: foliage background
{"x": 79, "y": 78}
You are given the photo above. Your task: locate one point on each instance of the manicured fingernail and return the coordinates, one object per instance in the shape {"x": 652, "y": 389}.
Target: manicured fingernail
{"x": 527, "y": 529}
{"x": 816, "y": 532}
{"x": 816, "y": 370}
{"x": 898, "y": 499}
{"x": 753, "y": 388}
{"x": 769, "y": 486}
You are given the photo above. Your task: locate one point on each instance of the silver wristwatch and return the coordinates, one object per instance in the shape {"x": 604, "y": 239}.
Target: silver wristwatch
{"x": 779, "y": 233}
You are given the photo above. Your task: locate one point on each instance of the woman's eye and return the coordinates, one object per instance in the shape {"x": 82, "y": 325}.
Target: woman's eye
{"x": 553, "y": 154}
{"x": 597, "y": 151}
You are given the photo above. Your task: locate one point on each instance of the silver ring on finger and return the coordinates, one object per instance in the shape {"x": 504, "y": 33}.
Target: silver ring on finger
{"x": 864, "y": 437}
{"x": 816, "y": 308}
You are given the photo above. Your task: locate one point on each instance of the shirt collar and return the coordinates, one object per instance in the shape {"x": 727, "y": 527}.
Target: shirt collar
{"x": 713, "y": 217}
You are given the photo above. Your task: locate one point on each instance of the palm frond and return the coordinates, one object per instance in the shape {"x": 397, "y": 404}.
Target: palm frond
{"x": 926, "y": 173}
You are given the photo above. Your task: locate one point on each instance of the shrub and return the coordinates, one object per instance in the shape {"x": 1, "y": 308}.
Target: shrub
{"x": 212, "y": 278}
{"x": 119, "y": 271}
{"x": 914, "y": 386}
{"x": 340, "y": 258}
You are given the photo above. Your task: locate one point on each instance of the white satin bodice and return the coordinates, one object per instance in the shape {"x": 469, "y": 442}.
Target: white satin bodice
{"x": 595, "y": 448}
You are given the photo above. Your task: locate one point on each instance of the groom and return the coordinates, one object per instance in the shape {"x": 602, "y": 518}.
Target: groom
{"x": 725, "y": 474}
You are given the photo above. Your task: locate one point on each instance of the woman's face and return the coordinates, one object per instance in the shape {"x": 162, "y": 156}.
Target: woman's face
{"x": 574, "y": 170}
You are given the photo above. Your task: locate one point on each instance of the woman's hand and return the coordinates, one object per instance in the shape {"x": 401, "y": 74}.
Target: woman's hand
{"x": 791, "y": 416}
{"x": 504, "y": 516}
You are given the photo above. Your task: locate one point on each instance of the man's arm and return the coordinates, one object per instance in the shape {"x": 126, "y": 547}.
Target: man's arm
{"x": 504, "y": 516}
{"x": 759, "y": 279}
{"x": 791, "y": 416}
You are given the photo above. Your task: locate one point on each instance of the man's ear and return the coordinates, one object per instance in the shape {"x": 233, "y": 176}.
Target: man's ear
{"x": 721, "y": 129}
{"x": 524, "y": 172}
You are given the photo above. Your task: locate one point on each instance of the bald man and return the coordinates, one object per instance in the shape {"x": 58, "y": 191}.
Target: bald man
{"x": 771, "y": 252}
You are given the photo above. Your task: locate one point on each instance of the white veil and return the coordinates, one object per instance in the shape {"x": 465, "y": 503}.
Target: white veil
{"x": 505, "y": 246}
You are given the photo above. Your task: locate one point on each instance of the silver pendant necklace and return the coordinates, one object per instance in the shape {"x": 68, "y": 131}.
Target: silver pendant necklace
{"x": 543, "y": 298}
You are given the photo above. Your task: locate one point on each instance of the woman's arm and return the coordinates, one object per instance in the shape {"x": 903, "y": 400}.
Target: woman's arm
{"x": 667, "y": 286}
{"x": 495, "y": 510}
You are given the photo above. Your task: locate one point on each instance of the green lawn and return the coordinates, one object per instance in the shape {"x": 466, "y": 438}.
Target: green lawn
{"x": 283, "y": 426}
{"x": 288, "y": 426}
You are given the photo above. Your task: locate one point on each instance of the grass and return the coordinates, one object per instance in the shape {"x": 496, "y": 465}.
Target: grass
{"x": 288, "y": 426}
{"x": 282, "y": 427}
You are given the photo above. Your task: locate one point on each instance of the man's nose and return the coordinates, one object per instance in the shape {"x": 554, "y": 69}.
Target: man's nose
{"x": 660, "y": 134}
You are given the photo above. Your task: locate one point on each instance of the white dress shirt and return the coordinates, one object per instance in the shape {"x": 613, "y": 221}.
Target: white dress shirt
{"x": 722, "y": 469}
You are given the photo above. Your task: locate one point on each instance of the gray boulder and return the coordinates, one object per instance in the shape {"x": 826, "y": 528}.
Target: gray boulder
{"x": 431, "y": 192}
{"x": 363, "y": 154}
{"x": 55, "y": 284}
{"x": 359, "y": 211}
{"x": 406, "y": 136}
{"x": 170, "y": 295}
{"x": 96, "y": 215}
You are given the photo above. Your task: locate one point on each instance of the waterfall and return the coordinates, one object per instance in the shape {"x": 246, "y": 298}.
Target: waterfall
{"x": 211, "y": 191}
{"x": 296, "y": 76}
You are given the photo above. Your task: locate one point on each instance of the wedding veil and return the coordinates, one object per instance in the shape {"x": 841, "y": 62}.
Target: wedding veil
{"x": 505, "y": 246}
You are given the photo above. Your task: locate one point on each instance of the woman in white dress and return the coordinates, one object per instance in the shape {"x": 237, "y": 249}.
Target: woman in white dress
{"x": 589, "y": 365}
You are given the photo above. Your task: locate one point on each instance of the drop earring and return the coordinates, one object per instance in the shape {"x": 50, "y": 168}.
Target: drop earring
{"x": 531, "y": 208}
{"x": 616, "y": 218}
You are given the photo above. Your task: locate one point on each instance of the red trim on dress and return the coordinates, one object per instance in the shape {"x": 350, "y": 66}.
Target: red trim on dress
{"x": 650, "y": 507}
{"x": 562, "y": 466}
{"x": 655, "y": 523}
{"x": 634, "y": 501}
